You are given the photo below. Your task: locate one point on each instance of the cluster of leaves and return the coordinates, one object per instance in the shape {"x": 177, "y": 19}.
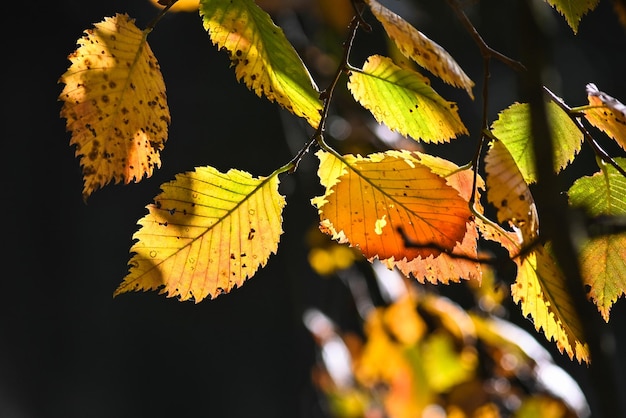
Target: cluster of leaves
{"x": 207, "y": 232}
{"x": 421, "y": 354}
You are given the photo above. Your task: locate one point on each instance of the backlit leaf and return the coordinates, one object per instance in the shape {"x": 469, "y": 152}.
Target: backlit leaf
{"x": 206, "y": 233}
{"x": 415, "y": 45}
{"x": 573, "y": 10}
{"x": 458, "y": 265}
{"x": 404, "y": 101}
{"x": 114, "y": 104}
{"x": 262, "y": 56}
{"x": 513, "y": 128}
{"x": 369, "y": 198}
{"x": 609, "y": 115}
{"x": 541, "y": 292}
{"x": 603, "y": 259}
{"x": 509, "y": 193}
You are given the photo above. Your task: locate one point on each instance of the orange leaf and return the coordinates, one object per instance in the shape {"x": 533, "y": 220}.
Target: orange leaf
{"x": 115, "y": 104}
{"x": 369, "y": 199}
{"x": 609, "y": 115}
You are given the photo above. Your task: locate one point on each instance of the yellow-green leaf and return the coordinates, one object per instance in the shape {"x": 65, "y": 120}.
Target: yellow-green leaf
{"x": 376, "y": 196}
{"x": 205, "y": 234}
{"x": 509, "y": 193}
{"x": 513, "y": 128}
{"x": 607, "y": 114}
{"x": 541, "y": 292}
{"x": 415, "y": 45}
{"x": 573, "y": 10}
{"x": 603, "y": 258}
{"x": 262, "y": 56}
{"x": 114, "y": 104}
{"x": 404, "y": 101}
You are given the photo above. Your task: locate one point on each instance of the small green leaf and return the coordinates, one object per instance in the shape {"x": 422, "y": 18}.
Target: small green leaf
{"x": 404, "y": 101}
{"x": 573, "y": 10}
{"x": 603, "y": 259}
{"x": 513, "y": 128}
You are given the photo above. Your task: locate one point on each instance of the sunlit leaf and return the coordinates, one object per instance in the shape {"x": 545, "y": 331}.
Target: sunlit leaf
{"x": 375, "y": 196}
{"x": 114, "y": 104}
{"x": 513, "y": 128}
{"x": 541, "y": 292}
{"x": 180, "y": 5}
{"x": 460, "y": 264}
{"x": 206, "y": 233}
{"x": 509, "y": 193}
{"x": 573, "y": 10}
{"x": 603, "y": 258}
{"x": 609, "y": 115}
{"x": 262, "y": 56}
{"x": 404, "y": 101}
{"x": 418, "y": 47}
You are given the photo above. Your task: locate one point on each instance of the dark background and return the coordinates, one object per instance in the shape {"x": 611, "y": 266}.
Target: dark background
{"x": 68, "y": 349}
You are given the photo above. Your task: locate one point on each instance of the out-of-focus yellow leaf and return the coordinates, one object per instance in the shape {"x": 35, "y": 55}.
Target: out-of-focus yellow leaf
{"x": 403, "y": 322}
{"x": 206, "y": 233}
{"x": 373, "y": 197}
{"x": 385, "y": 361}
{"x": 603, "y": 258}
{"x": 445, "y": 367}
{"x": 262, "y": 56}
{"x": 545, "y": 407}
{"x": 541, "y": 292}
{"x": 180, "y": 5}
{"x": 609, "y": 115}
{"x": 509, "y": 193}
{"x": 404, "y": 101}
{"x": 513, "y": 128}
{"x": 573, "y": 10}
{"x": 114, "y": 104}
{"x": 415, "y": 45}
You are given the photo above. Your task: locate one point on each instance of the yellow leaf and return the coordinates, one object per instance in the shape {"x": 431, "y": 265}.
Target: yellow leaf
{"x": 404, "y": 101}
{"x": 180, "y": 5}
{"x": 509, "y": 193}
{"x": 541, "y": 292}
{"x": 415, "y": 45}
{"x": 608, "y": 115}
{"x": 397, "y": 186}
{"x": 262, "y": 56}
{"x": 206, "y": 233}
{"x": 114, "y": 104}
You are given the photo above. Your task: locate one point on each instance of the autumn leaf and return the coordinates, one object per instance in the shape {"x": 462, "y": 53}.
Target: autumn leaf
{"x": 509, "y": 193}
{"x": 368, "y": 199}
{"x": 114, "y": 104}
{"x": 607, "y": 114}
{"x": 206, "y": 233}
{"x": 262, "y": 56}
{"x": 460, "y": 263}
{"x": 541, "y": 292}
{"x": 573, "y": 10}
{"x": 513, "y": 128}
{"x": 415, "y": 45}
{"x": 603, "y": 258}
{"x": 404, "y": 101}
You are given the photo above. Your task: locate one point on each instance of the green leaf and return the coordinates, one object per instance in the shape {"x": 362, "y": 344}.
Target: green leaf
{"x": 513, "y": 128}
{"x": 573, "y": 10}
{"x": 603, "y": 259}
{"x": 262, "y": 56}
{"x": 205, "y": 234}
{"x": 404, "y": 101}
